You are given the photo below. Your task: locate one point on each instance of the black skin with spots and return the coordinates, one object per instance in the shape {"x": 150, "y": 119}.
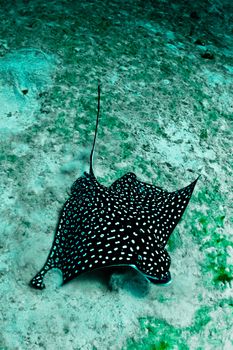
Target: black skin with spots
{"x": 125, "y": 224}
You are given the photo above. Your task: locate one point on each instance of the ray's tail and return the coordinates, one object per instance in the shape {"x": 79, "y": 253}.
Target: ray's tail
{"x": 96, "y": 129}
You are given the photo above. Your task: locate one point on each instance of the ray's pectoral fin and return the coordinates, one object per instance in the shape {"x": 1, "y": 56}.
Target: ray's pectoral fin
{"x": 38, "y": 280}
{"x": 154, "y": 265}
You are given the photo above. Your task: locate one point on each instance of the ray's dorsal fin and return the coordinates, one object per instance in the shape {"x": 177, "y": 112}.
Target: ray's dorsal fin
{"x": 96, "y": 129}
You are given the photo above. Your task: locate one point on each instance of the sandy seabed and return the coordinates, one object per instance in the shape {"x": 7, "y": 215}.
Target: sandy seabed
{"x": 166, "y": 71}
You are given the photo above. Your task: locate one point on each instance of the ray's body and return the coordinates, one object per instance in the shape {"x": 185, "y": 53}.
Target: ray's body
{"x": 126, "y": 224}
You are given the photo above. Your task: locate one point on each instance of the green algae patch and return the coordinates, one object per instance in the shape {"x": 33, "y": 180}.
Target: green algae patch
{"x": 158, "y": 335}
{"x": 201, "y": 319}
{"x": 216, "y": 261}
{"x": 216, "y": 248}
{"x": 211, "y": 235}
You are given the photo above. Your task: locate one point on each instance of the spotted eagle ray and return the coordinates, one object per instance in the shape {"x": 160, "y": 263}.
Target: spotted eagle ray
{"x": 125, "y": 224}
